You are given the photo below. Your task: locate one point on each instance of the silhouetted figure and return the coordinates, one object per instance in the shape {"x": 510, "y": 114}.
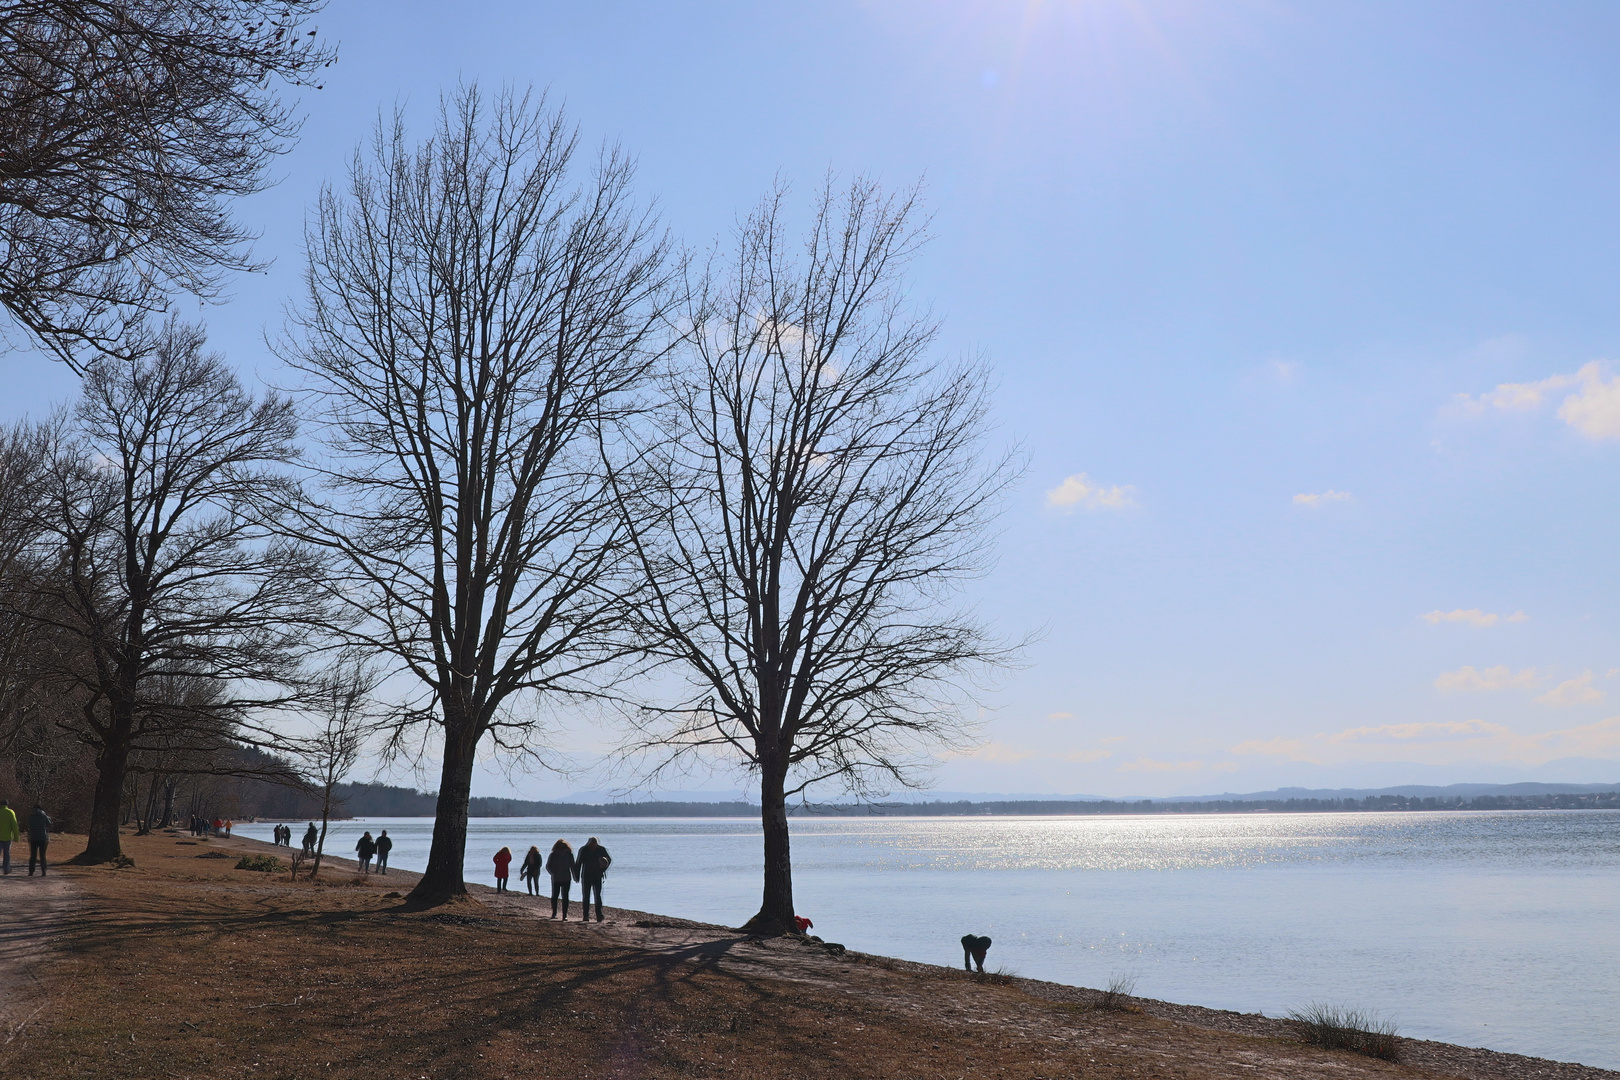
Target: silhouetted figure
{"x": 311, "y": 838}
{"x": 39, "y": 838}
{"x": 384, "y": 846}
{"x": 974, "y": 947}
{"x": 503, "y": 863}
{"x": 560, "y": 865}
{"x": 589, "y": 869}
{"x": 9, "y": 831}
{"x": 530, "y": 871}
{"x": 366, "y": 847}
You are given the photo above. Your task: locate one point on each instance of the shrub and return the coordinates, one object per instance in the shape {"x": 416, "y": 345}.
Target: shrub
{"x": 264, "y": 864}
{"x": 1334, "y": 1027}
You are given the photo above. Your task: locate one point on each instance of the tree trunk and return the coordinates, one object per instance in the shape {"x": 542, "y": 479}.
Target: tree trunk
{"x": 442, "y": 881}
{"x": 168, "y": 804}
{"x": 112, "y": 767}
{"x": 776, "y": 909}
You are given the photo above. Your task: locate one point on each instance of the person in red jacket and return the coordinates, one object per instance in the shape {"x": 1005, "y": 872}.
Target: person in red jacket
{"x": 503, "y": 860}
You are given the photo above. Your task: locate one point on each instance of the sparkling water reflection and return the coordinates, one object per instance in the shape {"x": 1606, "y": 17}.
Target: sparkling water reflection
{"x": 1489, "y": 929}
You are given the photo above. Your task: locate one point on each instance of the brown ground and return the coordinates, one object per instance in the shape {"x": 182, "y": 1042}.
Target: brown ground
{"x": 184, "y": 967}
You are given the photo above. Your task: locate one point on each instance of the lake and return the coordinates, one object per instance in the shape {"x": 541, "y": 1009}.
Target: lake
{"x": 1487, "y": 929}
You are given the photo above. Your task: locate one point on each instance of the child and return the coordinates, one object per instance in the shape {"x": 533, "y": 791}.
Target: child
{"x": 503, "y": 860}
{"x": 531, "y": 871}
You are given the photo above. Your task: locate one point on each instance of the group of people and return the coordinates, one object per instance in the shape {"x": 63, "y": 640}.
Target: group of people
{"x": 200, "y": 826}
{"x": 588, "y": 868}
{"x": 39, "y": 836}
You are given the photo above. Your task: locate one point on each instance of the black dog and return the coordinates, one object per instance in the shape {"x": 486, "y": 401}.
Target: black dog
{"x": 974, "y": 947}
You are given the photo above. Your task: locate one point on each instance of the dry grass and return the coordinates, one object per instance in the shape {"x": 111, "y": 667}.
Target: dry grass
{"x": 1119, "y": 997}
{"x": 1334, "y": 1027}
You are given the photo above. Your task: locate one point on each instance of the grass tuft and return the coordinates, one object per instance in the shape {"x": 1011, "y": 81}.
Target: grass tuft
{"x": 264, "y": 864}
{"x": 1334, "y": 1027}
{"x": 1117, "y": 998}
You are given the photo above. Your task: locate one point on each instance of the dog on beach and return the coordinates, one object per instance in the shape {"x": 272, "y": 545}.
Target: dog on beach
{"x": 973, "y": 950}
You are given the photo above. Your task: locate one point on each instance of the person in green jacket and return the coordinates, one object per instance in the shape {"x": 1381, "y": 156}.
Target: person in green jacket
{"x": 9, "y": 831}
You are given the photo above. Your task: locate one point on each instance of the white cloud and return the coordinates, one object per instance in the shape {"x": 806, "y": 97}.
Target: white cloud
{"x": 1086, "y": 757}
{"x": 1060, "y": 716}
{"x": 1472, "y": 616}
{"x": 1427, "y": 732}
{"x": 1329, "y": 496}
{"x": 1492, "y": 678}
{"x": 1290, "y": 749}
{"x": 1145, "y": 764}
{"x": 1576, "y": 691}
{"x": 1593, "y": 409}
{"x": 1078, "y": 492}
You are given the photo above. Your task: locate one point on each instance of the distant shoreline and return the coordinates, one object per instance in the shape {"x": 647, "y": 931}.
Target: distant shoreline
{"x": 481, "y": 807}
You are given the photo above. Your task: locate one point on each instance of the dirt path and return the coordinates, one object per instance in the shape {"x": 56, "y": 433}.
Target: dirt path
{"x": 33, "y": 934}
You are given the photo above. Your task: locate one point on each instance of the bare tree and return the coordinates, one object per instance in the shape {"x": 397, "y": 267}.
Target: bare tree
{"x": 815, "y": 493}
{"x": 187, "y": 618}
{"x": 127, "y": 127}
{"x": 342, "y": 703}
{"x": 475, "y": 320}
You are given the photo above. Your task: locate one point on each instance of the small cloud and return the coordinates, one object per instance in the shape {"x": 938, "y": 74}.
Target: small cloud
{"x": 1086, "y": 757}
{"x": 1492, "y": 678}
{"x": 1002, "y": 753}
{"x": 1144, "y": 764}
{"x": 1285, "y": 371}
{"x": 1078, "y": 492}
{"x": 1291, "y": 749}
{"x": 1593, "y": 409}
{"x": 1576, "y": 691}
{"x": 1060, "y": 716}
{"x": 1472, "y": 617}
{"x": 1111, "y": 740}
{"x": 1329, "y": 496}
{"x": 1426, "y": 732}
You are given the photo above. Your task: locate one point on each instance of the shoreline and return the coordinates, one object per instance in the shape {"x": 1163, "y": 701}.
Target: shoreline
{"x": 253, "y": 931}
{"x": 1448, "y": 1058}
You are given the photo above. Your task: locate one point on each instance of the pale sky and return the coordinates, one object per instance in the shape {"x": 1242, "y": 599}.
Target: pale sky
{"x": 1303, "y": 312}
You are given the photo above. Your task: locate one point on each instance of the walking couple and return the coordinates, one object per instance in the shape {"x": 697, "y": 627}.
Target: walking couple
{"x": 588, "y": 868}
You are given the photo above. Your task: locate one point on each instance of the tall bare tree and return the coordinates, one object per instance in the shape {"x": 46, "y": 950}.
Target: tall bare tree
{"x": 815, "y": 493}
{"x": 163, "y": 571}
{"x": 128, "y": 126}
{"x": 475, "y": 320}
{"x": 344, "y": 718}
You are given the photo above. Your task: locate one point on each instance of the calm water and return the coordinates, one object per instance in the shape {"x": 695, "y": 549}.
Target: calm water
{"x": 1488, "y": 929}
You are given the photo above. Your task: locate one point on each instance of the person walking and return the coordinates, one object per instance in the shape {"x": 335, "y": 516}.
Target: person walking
{"x": 366, "y": 847}
{"x": 503, "y": 862}
{"x": 589, "y": 870}
{"x": 9, "y": 831}
{"x": 311, "y": 838}
{"x": 384, "y": 846}
{"x": 39, "y": 838}
{"x": 530, "y": 872}
{"x": 560, "y": 865}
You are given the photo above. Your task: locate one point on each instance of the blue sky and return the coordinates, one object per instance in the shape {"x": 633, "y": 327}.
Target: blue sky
{"x": 1302, "y": 311}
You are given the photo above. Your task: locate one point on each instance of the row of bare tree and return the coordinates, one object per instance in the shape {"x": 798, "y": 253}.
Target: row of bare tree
{"x": 553, "y": 459}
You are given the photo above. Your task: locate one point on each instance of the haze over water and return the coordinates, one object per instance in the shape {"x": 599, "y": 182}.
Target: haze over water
{"x": 1486, "y": 929}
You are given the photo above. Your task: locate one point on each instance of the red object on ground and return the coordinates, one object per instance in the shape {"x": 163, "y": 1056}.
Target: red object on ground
{"x": 802, "y": 923}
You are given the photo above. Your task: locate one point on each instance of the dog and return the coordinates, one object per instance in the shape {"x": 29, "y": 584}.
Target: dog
{"x": 973, "y": 950}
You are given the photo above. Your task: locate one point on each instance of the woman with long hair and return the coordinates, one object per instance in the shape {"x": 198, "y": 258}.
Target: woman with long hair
{"x": 560, "y": 865}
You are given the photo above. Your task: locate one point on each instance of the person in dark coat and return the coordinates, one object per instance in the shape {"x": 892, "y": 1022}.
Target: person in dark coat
{"x": 974, "y": 948}
{"x": 366, "y": 848}
{"x": 530, "y": 871}
{"x": 589, "y": 870}
{"x": 39, "y": 838}
{"x": 311, "y": 838}
{"x": 384, "y": 846}
{"x": 560, "y": 865}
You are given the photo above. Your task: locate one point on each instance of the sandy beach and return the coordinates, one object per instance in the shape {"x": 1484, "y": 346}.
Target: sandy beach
{"x": 182, "y": 966}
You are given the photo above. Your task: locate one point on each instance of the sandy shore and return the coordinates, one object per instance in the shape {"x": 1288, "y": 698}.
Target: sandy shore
{"x": 182, "y": 966}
